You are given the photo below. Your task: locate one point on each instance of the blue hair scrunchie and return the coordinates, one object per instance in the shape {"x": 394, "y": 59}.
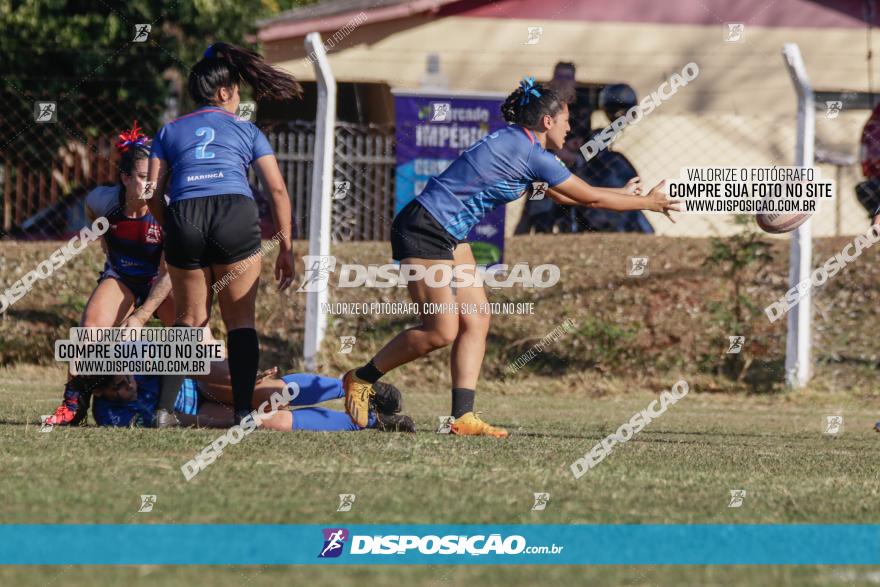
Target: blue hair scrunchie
{"x": 210, "y": 52}
{"x": 529, "y": 90}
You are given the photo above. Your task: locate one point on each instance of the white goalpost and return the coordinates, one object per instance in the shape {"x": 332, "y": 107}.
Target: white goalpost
{"x": 321, "y": 205}
{"x": 798, "y": 363}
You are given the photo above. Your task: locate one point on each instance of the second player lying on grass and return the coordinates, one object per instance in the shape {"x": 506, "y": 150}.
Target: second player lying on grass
{"x": 206, "y": 401}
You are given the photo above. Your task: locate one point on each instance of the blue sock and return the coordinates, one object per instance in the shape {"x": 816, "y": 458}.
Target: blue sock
{"x": 322, "y": 419}
{"x": 313, "y": 389}
{"x": 188, "y": 398}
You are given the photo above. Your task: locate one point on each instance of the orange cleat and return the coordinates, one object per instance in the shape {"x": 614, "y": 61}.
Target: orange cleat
{"x": 471, "y": 425}
{"x": 358, "y": 394}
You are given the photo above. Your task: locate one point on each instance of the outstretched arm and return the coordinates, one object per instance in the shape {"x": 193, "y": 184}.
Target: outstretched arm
{"x": 575, "y": 191}
{"x": 632, "y": 188}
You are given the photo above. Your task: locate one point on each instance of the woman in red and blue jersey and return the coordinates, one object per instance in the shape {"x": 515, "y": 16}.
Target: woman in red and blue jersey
{"x": 134, "y": 284}
{"x": 211, "y": 222}
{"x": 431, "y": 231}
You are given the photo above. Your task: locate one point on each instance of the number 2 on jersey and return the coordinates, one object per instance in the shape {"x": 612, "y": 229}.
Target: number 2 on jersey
{"x": 208, "y": 133}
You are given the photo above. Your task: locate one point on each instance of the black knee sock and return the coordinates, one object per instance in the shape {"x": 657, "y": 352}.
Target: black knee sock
{"x": 169, "y": 385}
{"x": 462, "y": 401}
{"x": 369, "y": 373}
{"x": 244, "y": 360}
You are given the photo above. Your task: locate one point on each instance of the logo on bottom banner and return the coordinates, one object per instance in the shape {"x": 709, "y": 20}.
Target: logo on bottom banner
{"x": 450, "y": 544}
{"x": 334, "y": 540}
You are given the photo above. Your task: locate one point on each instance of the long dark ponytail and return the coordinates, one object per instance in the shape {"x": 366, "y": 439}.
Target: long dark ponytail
{"x": 530, "y": 102}
{"x": 225, "y": 65}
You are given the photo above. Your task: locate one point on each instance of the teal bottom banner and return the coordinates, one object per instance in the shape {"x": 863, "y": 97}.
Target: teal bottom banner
{"x": 355, "y": 544}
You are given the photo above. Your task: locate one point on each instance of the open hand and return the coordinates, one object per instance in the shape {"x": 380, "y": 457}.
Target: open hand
{"x": 659, "y": 201}
{"x": 285, "y": 269}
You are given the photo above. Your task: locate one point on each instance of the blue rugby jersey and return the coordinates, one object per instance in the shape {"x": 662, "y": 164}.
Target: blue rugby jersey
{"x": 141, "y": 411}
{"x": 134, "y": 245}
{"x": 497, "y": 169}
{"x": 209, "y": 150}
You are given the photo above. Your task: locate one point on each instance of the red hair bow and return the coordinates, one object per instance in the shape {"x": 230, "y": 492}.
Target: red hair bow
{"x": 129, "y": 138}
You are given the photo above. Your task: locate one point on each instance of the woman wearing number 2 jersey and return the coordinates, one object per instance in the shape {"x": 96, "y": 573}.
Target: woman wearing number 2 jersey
{"x": 211, "y": 223}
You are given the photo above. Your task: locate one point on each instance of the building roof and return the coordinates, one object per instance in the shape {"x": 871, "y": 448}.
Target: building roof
{"x": 334, "y": 14}
{"x": 328, "y": 8}
{"x": 772, "y": 13}
{"x": 487, "y": 46}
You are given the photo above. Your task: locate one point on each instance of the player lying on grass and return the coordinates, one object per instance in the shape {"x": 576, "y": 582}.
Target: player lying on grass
{"x": 431, "y": 231}
{"x": 207, "y": 401}
{"x": 134, "y": 284}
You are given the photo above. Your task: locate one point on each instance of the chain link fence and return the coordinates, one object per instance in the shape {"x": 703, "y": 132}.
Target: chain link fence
{"x": 364, "y": 168}
{"x": 660, "y": 145}
{"x": 839, "y": 123}
{"x": 48, "y": 166}
{"x": 52, "y": 152}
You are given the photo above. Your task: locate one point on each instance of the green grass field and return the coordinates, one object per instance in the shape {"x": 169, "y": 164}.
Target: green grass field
{"x": 680, "y": 469}
{"x": 633, "y": 338}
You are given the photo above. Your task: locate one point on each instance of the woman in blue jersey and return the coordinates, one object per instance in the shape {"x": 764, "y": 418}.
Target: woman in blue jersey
{"x": 430, "y": 231}
{"x": 206, "y": 401}
{"x": 134, "y": 284}
{"x": 211, "y": 222}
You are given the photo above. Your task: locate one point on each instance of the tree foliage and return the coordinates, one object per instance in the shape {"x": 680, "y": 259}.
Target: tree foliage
{"x": 80, "y": 52}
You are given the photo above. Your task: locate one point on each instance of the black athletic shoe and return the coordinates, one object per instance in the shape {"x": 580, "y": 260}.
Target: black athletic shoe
{"x": 394, "y": 423}
{"x": 388, "y": 399}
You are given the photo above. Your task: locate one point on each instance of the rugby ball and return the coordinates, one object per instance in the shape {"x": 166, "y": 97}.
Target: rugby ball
{"x": 781, "y": 222}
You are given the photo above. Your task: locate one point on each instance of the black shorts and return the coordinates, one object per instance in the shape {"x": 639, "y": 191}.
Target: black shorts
{"x": 417, "y": 234}
{"x": 212, "y": 230}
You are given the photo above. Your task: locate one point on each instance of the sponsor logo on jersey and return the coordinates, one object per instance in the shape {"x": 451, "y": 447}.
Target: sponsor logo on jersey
{"x": 154, "y": 234}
